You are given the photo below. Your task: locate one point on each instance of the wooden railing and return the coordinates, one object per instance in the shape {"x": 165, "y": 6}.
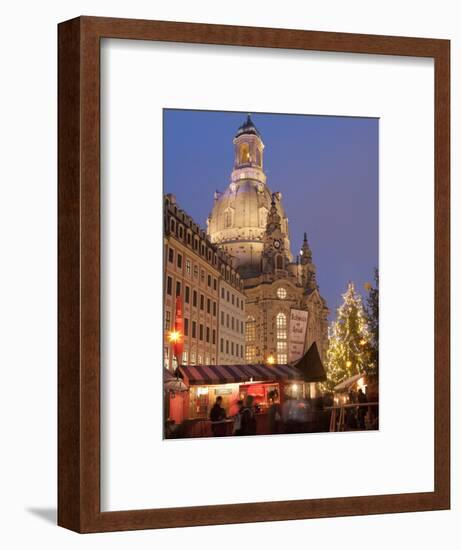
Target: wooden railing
{"x": 339, "y": 425}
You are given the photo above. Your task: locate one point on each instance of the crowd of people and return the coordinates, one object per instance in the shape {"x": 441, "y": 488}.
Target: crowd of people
{"x": 293, "y": 416}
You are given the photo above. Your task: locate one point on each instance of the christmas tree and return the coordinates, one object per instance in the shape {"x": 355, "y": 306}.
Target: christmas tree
{"x": 372, "y": 314}
{"x": 349, "y": 340}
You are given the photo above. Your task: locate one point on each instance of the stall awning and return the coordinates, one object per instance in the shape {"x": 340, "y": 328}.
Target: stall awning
{"x": 204, "y": 375}
{"x": 311, "y": 365}
{"x": 346, "y": 384}
{"x": 172, "y": 383}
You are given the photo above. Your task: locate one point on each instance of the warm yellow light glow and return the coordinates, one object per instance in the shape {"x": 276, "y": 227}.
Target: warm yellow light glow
{"x": 363, "y": 342}
{"x": 174, "y": 336}
{"x": 270, "y": 360}
{"x": 295, "y": 387}
{"x": 348, "y": 363}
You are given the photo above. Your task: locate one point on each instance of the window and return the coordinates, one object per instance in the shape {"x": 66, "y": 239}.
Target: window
{"x": 241, "y": 327}
{"x": 167, "y": 320}
{"x": 200, "y": 332}
{"x": 221, "y": 346}
{"x": 227, "y": 346}
{"x": 178, "y": 288}
{"x": 179, "y": 261}
{"x": 228, "y": 296}
{"x": 233, "y": 299}
{"x": 228, "y": 217}
{"x": 207, "y": 334}
{"x": 202, "y": 275}
{"x": 202, "y": 301}
{"x": 233, "y": 323}
{"x": 194, "y": 298}
{"x": 222, "y": 293}
{"x": 207, "y": 359}
{"x": 169, "y": 285}
{"x": 209, "y": 280}
{"x": 214, "y": 337}
{"x": 188, "y": 270}
{"x": 244, "y": 153}
{"x": 195, "y": 271}
{"x": 232, "y": 348}
{"x": 238, "y": 304}
{"x": 227, "y": 320}
{"x": 282, "y": 355}
{"x": 188, "y": 238}
{"x": 194, "y": 330}
{"x": 281, "y": 327}
{"x": 171, "y": 255}
{"x": 184, "y": 357}
{"x": 199, "y": 359}
{"x": 192, "y": 357}
{"x": 281, "y": 293}
{"x": 241, "y": 305}
{"x": 172, "y": 226}
{"x": 208, "y": 305}
{"x": 250, "y": 335}
{"x": 186, "y": 326}
{"x": 222, "y": 317}
{"x": 215, "y": 283}
{"x": 250, "y": 353}
{"x": 181, "y": 232}
{"x": 241, "y": 351}
{"x": 187, "y": 294}
{"x": 214, "y": 309}
{"x": 279, "y": 261}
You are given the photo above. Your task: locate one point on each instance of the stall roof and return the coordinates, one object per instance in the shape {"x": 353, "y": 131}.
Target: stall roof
{"x": 348, "y": 382}
{"x": 311, "y": 365}
{"x": 203, "y": 375}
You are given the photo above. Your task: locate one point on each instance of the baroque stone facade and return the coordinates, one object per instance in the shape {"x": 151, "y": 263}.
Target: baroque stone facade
{"x": 249, "y": 222}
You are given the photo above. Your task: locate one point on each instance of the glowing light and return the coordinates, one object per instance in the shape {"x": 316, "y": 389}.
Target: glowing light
{"x": 362, "y": 342}
{"x": 348, "y": 363}
{"x": 174, "y": 336}
{"x": 271, "y": 360}
{"x": 295, "y": 387}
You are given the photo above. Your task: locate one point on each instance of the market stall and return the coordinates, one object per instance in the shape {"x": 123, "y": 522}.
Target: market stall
{"x": 235, "y": 382}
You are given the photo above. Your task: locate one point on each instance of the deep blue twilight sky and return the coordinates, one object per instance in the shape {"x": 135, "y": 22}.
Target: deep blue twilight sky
{"x": 325, "y": 167}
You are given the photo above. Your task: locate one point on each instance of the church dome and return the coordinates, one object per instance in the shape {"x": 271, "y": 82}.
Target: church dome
{"x": 238, "y": 218}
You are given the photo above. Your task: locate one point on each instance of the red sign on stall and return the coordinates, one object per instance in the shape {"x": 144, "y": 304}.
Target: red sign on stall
{"x": 178, "y": 345}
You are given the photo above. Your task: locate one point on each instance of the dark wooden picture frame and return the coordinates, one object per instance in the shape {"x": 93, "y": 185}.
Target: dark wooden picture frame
{"x": 79, "y": 274}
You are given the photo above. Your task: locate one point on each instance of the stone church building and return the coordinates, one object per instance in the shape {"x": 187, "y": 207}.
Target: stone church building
{"x": 249, "y": 222}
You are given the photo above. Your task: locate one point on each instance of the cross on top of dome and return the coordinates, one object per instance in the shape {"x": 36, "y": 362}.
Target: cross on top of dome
{"x": 248, "y": 127}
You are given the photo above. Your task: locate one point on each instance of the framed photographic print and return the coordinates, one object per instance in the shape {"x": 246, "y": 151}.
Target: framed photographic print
{"x": 253, "y": 274}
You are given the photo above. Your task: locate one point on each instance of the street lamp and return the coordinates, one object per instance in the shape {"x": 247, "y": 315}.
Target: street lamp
{"x": 270, "y": 360}
{"x": 174, "y": 336}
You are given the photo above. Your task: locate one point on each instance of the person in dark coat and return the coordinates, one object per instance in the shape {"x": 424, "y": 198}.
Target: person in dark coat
{"x": 274, "y": 413}
{"x": 362, "y": 412}
{"x": 217, "y": 414}
{"x": 248, "y": 426}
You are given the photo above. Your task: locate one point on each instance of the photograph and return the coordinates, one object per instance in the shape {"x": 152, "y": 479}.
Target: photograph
{"x": 271, "y": 275}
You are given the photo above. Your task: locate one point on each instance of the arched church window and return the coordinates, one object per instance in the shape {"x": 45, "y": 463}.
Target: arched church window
{"x": 279, "y": 261}
{"x": 258, "y": 157}
{"x": 244, "y": 153}
{"x": 282, "y": 346}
